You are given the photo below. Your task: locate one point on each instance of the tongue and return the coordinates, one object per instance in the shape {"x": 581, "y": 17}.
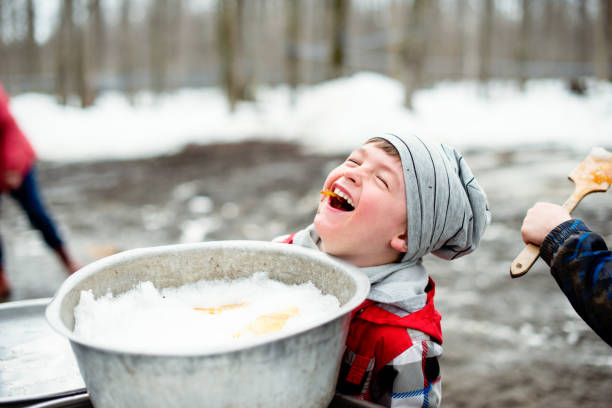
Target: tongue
{"x": 340, "y": 203}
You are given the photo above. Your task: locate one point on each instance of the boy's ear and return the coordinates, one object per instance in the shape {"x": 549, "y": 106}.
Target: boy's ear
{"x": 400, "y": 243}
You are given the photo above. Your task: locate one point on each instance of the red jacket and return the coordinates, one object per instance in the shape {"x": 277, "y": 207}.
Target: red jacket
{"x": 16, "y": 152}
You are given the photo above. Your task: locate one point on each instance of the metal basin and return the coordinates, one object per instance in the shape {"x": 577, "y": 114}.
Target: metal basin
{"x": 295, "y": 369}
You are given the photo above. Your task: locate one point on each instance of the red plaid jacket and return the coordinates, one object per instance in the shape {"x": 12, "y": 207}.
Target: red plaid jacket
{"x": 392, "y": 359}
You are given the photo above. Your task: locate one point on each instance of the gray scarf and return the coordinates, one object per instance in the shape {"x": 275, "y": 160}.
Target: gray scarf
{"x": 447, "y": 213}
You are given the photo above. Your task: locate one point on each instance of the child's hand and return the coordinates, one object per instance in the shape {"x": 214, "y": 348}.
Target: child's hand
{"x": 12, "y": 179}
{"x": 540, "y": 220}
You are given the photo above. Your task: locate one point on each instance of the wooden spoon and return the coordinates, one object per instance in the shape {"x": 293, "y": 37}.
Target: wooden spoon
{"x": 594, "y": 174}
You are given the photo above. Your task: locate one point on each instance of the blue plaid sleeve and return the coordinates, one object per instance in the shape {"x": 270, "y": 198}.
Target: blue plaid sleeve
{"x": 581, "y": 264}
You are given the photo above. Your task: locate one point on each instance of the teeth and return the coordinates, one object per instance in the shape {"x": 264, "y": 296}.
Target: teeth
{"x": 341, "y": 194}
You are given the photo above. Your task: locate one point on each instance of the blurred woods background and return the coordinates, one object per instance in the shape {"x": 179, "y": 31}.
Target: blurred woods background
{"x": 76, "y": 49}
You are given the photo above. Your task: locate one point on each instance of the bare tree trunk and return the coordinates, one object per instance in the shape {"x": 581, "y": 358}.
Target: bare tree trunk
{"x": 460, "y": 38}
{"x": 81, "y": 68}
{"x": 32, "y": 60}
{"x": 226, "y": 44}
{"x": 15, "y": 22}
{"x": 414, "y": 51}
{"x": 251, "y": 49}
{"x": 158, "y": 45}
{"x": 608, "y": 35}
{"x": 581, "y": 45}
{"x": 71, "y": 63}
{"x": 98, "y": 33}
{"x": 64, "y": 52}
{"x": 601, "y": 47}
{"x": 395, "y": 47}
{"x": 126, "y": 59}
{"x": 89, "y": 45}
{"x": 555, "y": 17}
{"x": 11, "y": 63}
{"x": 3, "y": 53}
{"x": 174, "y": 15}
{"x": 340, "y": 10}
{"x": 484, "y": 44}
{"x": 293, "y": 29}
{"x": 524, "y": 50}
{"x": 236, "y": 76}
{"x": 433, "y": 18}
{"x": 244, "y": 67}
{"x": 583, "y": 33}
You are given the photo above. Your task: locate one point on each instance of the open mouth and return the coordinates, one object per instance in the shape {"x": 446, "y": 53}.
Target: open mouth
{"x": 339, "y": 200}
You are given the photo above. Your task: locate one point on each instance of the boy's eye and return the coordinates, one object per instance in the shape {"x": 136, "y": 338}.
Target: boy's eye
{"x": 382, "y": 180}
{"x": 352, "y": 160}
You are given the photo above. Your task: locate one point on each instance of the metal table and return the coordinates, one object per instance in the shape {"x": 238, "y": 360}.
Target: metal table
{"x": 35, "y": 362}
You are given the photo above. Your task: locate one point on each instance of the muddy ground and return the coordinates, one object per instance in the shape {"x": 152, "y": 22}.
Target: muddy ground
{"x": 507, "y": 343}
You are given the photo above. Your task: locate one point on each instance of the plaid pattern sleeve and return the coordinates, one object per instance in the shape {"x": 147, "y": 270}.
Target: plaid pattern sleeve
{"x": 417, "y": 381}
{"x": 581, "y": 264}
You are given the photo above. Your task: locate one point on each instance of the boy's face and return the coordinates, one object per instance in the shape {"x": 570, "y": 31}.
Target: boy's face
{"x": 367, "y": 226}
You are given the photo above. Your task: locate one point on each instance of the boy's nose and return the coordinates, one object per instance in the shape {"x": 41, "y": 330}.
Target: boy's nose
{"x": 353, "y": 176}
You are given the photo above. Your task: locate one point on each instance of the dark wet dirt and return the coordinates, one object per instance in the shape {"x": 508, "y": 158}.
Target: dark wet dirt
{"x": 507, "y": 342}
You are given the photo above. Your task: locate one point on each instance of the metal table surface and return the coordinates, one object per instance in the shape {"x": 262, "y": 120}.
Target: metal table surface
{"x": 35, "y": 362}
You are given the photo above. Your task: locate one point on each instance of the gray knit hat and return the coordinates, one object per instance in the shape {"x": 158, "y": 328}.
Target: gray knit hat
{"x": 447, "y": 211}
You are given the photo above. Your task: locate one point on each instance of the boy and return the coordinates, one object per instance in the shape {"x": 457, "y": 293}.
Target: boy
{"x": 394, "y": 200}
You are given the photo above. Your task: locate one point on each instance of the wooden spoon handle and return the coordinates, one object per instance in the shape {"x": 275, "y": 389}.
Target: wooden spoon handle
{"x": 525, "y": 260}
{"x": 575, "y": 198}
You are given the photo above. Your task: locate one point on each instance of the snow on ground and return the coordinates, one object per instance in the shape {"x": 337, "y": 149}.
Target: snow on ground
{"x": 334, "y": 116}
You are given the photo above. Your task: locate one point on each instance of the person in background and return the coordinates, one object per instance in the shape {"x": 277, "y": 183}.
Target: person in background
{"x": 579, "y": 261}
{"x": 394, "y": 200}
{"x": 17, "y": 178}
